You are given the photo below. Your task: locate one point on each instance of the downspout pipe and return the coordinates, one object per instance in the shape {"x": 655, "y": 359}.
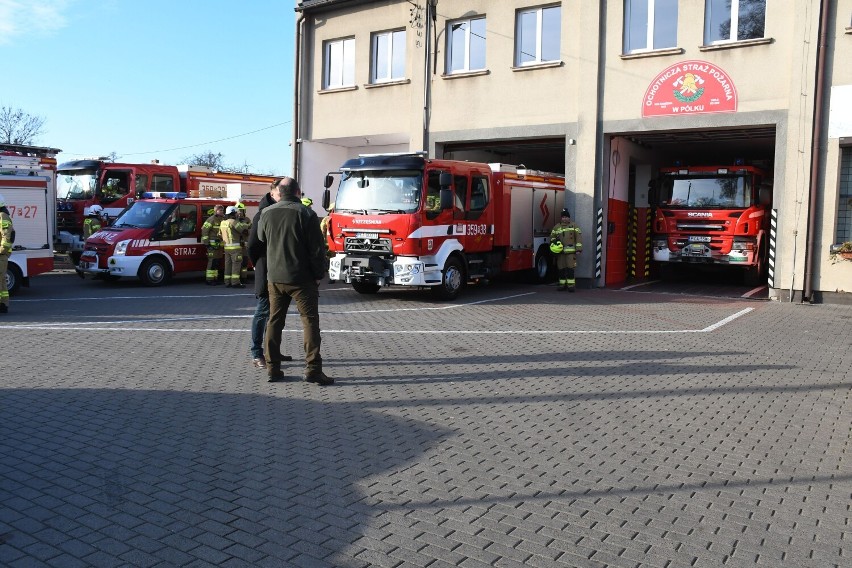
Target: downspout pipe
{"x": 297, "y": 98}
{"x": 427, "y": 77}
{"x": 816, "y": 150}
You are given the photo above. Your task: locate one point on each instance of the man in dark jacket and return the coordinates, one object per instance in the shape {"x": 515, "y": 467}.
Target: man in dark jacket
{"x": 295, "y": 265}
{"x": 261, "y": 311}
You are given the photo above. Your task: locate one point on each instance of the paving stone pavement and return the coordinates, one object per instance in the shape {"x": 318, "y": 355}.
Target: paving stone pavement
{"x": 515, "y": 427}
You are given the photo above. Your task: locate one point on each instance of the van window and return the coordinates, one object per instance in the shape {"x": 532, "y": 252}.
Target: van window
{"x": 479, "y": 193}
{"x": 162, "y": 183}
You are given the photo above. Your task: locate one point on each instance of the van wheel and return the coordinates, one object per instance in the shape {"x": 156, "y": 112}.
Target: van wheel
{"x": 453, "y": 280}
{"x": 365, "y": 287}
{"x": 14, "y": 278}
{"x": 155, "y": 271}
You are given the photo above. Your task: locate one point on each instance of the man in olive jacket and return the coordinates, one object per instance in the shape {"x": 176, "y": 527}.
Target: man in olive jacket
{"x": 295, "y": 265}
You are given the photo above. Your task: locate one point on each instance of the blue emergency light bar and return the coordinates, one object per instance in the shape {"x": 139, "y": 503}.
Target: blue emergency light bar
{"x": 164, "y": 195}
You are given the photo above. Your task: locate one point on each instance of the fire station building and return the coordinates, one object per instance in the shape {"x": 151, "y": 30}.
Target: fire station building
{"x": 606, "y": 93}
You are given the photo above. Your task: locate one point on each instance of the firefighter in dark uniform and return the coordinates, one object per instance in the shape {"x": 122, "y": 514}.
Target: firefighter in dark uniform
{"x": 565, "y": 244}
{"x": 212, "y": 239}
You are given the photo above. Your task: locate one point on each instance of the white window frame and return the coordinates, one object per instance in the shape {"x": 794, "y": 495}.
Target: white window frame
{"x": 388, "y": 57}
{"x": 346, "y": 54}
{"x": 539, "y": 11}
{"x": 649, "y": 35}
{"x": 733, "y": 33}
{"x": 468, "y": 31}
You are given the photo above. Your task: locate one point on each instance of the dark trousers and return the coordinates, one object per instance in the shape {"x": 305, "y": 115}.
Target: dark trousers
{"x": 307, "y": 302}
{"x": 258, "y": 326}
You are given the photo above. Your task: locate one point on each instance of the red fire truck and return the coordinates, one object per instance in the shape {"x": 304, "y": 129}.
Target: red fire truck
{"x": 406, "y": 220}
{"x": 114, "y": 186}
{"x": 27, "y": 183}
{"x": 715, "y": 215}
{"x": 153, "y": 239}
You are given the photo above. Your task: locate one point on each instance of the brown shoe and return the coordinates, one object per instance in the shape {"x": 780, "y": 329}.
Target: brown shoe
{"x": 319, "y": 378}
{"x": 259, "y": 363}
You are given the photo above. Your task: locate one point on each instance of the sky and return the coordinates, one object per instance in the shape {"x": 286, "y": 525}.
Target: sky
{"x": 154, "y": 79}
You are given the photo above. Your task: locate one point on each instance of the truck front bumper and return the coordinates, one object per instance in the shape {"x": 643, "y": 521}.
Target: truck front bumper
{"x": 124, "y": 265}
{"x": 399, "y": 271}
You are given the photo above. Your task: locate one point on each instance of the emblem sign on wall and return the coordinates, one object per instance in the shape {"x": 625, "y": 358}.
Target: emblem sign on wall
{"x": 690, "y": 87}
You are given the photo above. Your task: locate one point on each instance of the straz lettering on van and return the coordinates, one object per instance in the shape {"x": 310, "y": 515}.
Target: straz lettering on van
{"x": 185, "y": 251}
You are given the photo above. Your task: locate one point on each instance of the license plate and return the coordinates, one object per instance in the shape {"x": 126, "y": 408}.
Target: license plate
{"x": 364, "y": 235}
{"x": 85, "y": 265}
{"x": 700, "y": 239}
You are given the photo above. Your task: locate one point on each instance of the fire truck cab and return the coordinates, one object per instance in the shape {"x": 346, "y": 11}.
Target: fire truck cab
{"x": 155, "y": 238}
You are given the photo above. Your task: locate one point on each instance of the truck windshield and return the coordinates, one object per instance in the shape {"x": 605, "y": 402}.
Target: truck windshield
{"x": 708, "y": 192}
{"x": 143, "y": 215}
{"x": 76, "y": 185}
{"x": 379, "y": 191}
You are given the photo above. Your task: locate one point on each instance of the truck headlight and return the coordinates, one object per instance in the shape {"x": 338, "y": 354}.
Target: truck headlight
{"x": 404, "y": 269}
{"x": 121, "y": 247}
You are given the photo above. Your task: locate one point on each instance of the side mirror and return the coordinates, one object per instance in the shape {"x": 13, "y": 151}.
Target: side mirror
{"x": 445, "y": 180}
{"x": 446, "y": 198}
{"x": 326, "y": 195}
{"x": 328, "y": 181}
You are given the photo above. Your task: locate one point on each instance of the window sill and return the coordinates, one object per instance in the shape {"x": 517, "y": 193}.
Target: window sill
{"x": 387, "y": 84}
{"x": 547, "y": 65}
{"x": 337, "y": 90}
{"x": 735, "y": 44}
{"x": 653, "y": 53}
{"x": 849, "y": 30}
{"x": 461, "y": 74}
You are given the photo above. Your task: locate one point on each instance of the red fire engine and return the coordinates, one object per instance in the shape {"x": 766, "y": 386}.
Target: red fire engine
{"x": 712, "y": 215}
{"x": 27, "y": 183}
{"x": 154, "y": 239}
{"x": 114, "y": 186}
{"x": 406, "y": 220}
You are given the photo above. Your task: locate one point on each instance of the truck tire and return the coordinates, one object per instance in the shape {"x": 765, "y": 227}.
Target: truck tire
{"x": 14, "y": 278}
{"x": 365, "y": 287}
{"x": 155, "y": 271}
{"x": 541, "y": 268}
{"x": 754, "y": 275}
{"x": 453, "y": 280}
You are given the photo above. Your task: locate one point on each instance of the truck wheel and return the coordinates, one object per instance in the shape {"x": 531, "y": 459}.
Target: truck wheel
{"x": 155, "y": 271}
{"x": 541, "y": 268}
{"x": 453, "y": 280}
{"x": 365, "y": 287}
{"x": 754, "y": 275}
{"x": 14, "y": 278}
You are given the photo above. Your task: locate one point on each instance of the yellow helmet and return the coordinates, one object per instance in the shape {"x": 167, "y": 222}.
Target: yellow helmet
{"x": 556, "y": 247}
{"x": 240, "y": 205}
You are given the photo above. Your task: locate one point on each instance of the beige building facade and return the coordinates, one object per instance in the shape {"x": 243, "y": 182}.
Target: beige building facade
{"x": 606, "y": 93}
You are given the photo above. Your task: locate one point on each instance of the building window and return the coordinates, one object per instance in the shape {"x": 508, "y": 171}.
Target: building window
{"x": 388, "y": 56}
{"x": 339, "y": 63}
{"x": 537, "y": 35}
{"x": 844, "y": 204}
{"x": 733, "y": 20}
{"x": 466, "y": 45}
{"x": 649, "y": 24}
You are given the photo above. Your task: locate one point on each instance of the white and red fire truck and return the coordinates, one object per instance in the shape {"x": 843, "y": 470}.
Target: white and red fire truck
{"x": 712, "y": 215}
{"x": 155, "y": 238}
{"x": 27, "y": 183}
{"x": 114, "y": 186}
{"x": 406, "y": 220}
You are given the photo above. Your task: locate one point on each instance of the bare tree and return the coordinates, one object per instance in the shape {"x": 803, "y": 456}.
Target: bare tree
{"x": 19, "y": 127}
{"x": 208, "y": 159}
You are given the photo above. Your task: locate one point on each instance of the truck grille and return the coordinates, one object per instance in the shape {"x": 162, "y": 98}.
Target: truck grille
{"x": 99, "y": 248}
{"x": 370, "y": 244}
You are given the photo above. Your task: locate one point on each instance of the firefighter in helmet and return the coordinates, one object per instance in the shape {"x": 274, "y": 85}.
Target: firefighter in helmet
{"x": 566, "y": 244}
{"x": 7, "y": 237}
{"x": 231, "y": 230}
{"x": 92, "y": 223}
{"x": 245, "y": 228}
{"x": 211, "y": 237}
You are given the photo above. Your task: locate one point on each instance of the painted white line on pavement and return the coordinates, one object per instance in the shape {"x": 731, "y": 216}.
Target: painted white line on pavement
{"x": 648, "y": 283}
{"x": 85, "y": 327}
{"x": 751, "y": 293}
{"x": 175, "y": 297}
